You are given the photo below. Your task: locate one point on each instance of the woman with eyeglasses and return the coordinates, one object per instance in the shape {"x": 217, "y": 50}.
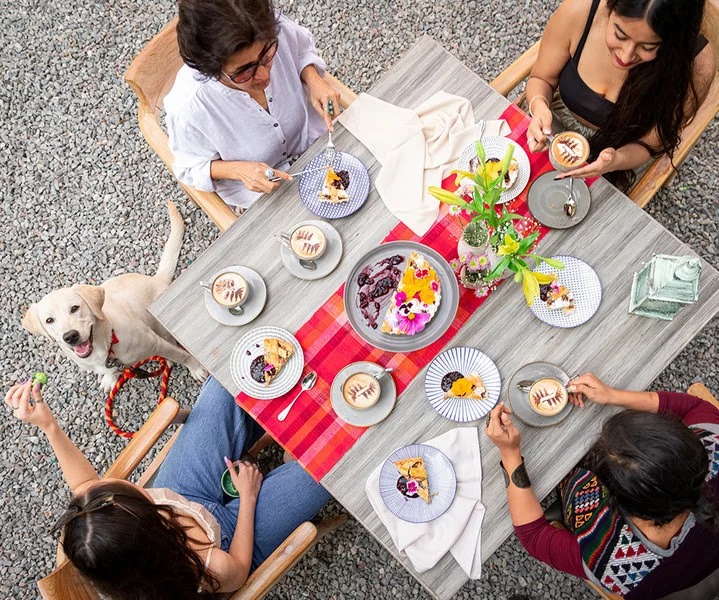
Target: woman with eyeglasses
{"x": 180, "y": 539}
{"x": 250, "y": 98}
{"x": 642, "y": 514}
{"x": 626, "y": 74}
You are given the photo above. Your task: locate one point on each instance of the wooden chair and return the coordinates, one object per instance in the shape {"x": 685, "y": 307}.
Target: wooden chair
{"x": 65, "y": 582}
{"x": 698, "y": 389}
{"x": 151, "y": 76}
{"x": 661, "y": 171}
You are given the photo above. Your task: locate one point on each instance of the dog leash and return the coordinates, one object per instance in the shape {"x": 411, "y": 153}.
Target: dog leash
{"x": 131, "y": 373}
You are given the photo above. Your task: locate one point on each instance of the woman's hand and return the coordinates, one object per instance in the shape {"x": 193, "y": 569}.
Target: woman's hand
{"x": 246, "y": 478}
{"x": 590, "y": 387}
{"x": 502, "y": 431}
{"x": 605, "y": 163}
{"x": 252, "y": 174}
{"x": 540, "y": 127}
{"x": 321, "y": 94}
{"x": 18, "y": 398}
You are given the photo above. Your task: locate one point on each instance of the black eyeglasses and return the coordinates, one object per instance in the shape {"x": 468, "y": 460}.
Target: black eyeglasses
{"x": 247, "y": 72}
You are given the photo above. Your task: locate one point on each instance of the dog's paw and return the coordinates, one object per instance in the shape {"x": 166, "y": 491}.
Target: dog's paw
{"x": 196, "y": 370}
{"x": 108, "y": 381}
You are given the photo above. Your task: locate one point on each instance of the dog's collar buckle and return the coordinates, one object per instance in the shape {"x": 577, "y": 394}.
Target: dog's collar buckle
{"x": 114, "y": 363}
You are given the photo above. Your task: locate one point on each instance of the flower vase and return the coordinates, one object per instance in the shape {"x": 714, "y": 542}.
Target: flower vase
{"x": 475, "y": 240}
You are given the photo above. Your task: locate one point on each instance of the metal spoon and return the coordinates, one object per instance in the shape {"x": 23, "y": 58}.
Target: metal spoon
{"x": 310, "y": 265}
{"x": 482, "y": 127}
{"x": 525, "y": 385}
{"x": 308, "y": 383}
{"x": 570, "y": 205}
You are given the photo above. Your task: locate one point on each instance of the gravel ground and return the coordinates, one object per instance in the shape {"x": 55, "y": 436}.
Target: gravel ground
{"x": 83, "y": 201}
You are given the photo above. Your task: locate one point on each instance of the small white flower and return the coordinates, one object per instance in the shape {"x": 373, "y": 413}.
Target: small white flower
{"x": 454, "y": 210}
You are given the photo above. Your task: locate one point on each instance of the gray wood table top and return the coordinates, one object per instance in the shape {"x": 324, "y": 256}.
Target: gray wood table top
{"x": 624, "y": 350}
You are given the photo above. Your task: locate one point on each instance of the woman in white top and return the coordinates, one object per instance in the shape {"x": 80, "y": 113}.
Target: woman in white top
{"x": 250, "y": 97}
{"x": 183, "y": 539}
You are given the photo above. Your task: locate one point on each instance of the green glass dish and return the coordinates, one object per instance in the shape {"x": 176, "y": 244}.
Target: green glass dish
{"x": 227, "y": 486}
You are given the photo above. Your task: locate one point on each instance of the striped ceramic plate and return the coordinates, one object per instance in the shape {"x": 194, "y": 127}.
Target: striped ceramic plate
{"x": 442, "y": 484}
{"x": 250, "y": 347}
{"x": 465, "y": 361}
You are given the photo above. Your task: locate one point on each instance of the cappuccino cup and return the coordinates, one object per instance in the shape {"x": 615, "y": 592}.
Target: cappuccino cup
{"x": 229, "y": 289}
{"x": 569, "y": 150}
{"x": 548, "y": 397}
{"x": 307, "y": 242}
{"x": 362, "y": 390}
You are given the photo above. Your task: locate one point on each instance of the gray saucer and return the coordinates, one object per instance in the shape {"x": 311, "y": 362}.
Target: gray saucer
{"x": 250, "y": 309}
{"x": 373, "y": 414}
{"x": 546, "y": 197}
{"x": 518, "y": 401}
{"x": 325, "y": 264}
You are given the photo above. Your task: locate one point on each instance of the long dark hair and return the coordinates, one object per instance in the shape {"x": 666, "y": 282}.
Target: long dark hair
{"x": 132, "y": 548}
{"x": 654, "y": 93}
{"x": 655, "y": 468}
{"x": 210, "y": 31}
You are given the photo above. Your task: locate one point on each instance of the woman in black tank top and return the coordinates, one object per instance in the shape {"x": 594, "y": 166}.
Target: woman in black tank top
{"x": 637, "y": 74}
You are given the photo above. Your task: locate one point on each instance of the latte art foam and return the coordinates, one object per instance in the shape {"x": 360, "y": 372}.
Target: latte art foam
{"x": 229, "y": 289}
{"x": 308, "y": 242}
{"x": 570, "y": 149}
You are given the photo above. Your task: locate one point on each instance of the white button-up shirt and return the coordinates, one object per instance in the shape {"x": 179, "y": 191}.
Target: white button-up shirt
{"x": 207, "y": 120}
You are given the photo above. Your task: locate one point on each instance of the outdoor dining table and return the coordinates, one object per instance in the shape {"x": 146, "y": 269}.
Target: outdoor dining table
{"x": 625, "y": 350}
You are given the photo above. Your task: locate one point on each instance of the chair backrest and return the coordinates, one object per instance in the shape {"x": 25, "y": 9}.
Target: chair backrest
{"x": 66, "y": 583}
{"x": 152, "y": 73}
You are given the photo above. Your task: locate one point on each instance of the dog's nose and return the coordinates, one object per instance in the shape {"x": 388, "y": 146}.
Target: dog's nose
{"x": 71, "y": 337}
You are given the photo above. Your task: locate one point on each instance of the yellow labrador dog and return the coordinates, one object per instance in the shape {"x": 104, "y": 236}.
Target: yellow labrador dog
{"x": 104, "y": 328}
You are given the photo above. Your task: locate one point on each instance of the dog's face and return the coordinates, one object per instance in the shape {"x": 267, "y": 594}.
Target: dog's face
{"x": 68, "y": 316}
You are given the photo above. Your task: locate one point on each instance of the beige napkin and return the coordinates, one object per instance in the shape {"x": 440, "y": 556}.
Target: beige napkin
{"x": 416, "y": 148}
{"x": 459, "y": 529}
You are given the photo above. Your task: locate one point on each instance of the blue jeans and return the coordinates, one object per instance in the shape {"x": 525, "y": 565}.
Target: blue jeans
{"x": 217, "y": 427}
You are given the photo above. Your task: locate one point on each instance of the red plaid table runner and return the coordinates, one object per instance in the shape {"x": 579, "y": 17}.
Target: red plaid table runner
{"x": 313, "y": 433}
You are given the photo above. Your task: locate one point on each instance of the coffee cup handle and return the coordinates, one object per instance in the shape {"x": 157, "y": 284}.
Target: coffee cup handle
{"x": 205, "y": 285}
{"x": 382, "y": 373}
{"x": 284, "y": 239}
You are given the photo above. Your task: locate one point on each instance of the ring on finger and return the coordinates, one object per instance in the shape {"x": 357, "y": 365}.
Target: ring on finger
{"x": 269, "y": 172}
{"x": 488, "y": 420}
{"x": 531, "y": 140}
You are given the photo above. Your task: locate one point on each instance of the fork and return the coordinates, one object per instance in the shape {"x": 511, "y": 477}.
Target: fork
{"x": 330, "y": 150}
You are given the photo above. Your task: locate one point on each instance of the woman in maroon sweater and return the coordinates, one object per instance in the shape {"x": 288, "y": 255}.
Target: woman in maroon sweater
{"x": 643, "y": 522}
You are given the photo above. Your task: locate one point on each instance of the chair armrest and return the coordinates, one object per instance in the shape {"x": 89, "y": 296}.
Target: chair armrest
{"x": 143, "y": 440}
{"x": 278, "y": 563}
{"x": 515, "y": 73}
{"x": 700, "y": 390}
{"x": 347, "y": 96}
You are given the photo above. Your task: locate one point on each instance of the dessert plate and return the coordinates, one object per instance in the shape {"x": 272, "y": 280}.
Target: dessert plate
{"x": 250, "y": 346}
{"x": 250, "y": 309}
{"x": 310, "y": 185}
{"x": 465, "y": 361}
{"x": 546, "y": 198}
{"x": 440, "y": 476}
{"x": 584, "y": 284}
{"x": 373, "y": 414}
{"x": 325, "y": 264}
{"x": 494, "y": 147}
{"x": 435, "y": 328}
{"x": 518, "y": 400}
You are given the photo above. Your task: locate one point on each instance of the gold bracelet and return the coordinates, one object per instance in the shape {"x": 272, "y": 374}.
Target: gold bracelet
{"x": 533, "y": 99}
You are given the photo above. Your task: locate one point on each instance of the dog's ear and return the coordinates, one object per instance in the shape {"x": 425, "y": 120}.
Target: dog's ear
{"x": 31, "y": 322}
{"x": 94, "y": 297}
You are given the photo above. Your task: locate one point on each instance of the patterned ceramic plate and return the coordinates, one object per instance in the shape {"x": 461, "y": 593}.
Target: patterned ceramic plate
{"x": 465, "y": 361}
{"x": 518, "y": 400}
{"x": 584, "y": 284}
{"x": 435, "y": 328}
{"x": 494, "y": 147}
{"x": 442, "y": 485}
{"x": 250, "y": 347}
{"x": 311, "y": 184}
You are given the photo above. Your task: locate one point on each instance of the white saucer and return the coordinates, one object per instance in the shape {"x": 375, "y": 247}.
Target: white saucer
{"x": 373, "y": 414}
{"x": 257, "y": 295}
{"x": 325, "y": 264}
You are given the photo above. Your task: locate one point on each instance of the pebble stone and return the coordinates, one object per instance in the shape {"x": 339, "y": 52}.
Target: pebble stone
{"x": 83, "y": 200}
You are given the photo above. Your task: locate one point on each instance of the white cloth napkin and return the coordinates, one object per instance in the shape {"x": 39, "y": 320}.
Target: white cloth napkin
{"x": 416, "y": 148}
{"x": 459, "y": 529}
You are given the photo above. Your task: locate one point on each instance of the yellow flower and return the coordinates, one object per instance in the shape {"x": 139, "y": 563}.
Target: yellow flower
{"x": 509, "y": 247}
{"x": 542, "y": 278}
{"x": 530, "y": 285}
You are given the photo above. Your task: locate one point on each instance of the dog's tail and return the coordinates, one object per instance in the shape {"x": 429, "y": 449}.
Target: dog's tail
{"x": 171, "y": 251}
